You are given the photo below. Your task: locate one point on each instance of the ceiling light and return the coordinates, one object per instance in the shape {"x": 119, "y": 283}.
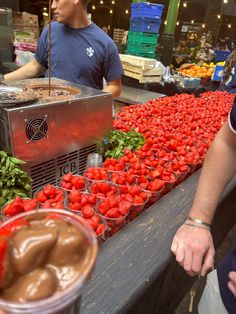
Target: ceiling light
{"x": 225, "y": 1}
{"x": 113, "y": 2}
{"x": 101, "y": 2}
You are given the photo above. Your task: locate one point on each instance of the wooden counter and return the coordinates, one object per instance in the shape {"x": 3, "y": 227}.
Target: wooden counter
{"x": 136, "y": 272}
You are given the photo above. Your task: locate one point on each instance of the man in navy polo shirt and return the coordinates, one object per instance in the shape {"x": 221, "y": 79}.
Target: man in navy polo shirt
{"x": 193, "y": 244}
{"x": 81, "y": 52}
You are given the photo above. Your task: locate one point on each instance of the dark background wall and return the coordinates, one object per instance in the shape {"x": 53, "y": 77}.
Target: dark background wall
{"x": 12, "y": 4}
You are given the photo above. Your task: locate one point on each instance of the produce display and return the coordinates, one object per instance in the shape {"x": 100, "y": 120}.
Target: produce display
{"x": 170, "y": 138}
{"x": 194, "y": 70}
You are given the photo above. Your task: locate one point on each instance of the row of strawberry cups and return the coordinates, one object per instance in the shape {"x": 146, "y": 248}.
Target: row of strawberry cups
{"x": 73, "y": 182}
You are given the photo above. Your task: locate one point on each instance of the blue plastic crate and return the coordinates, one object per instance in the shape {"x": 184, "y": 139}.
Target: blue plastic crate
{"x": 146, "y": 9}
{"x": 221, "y": 55}
{"x": 145, "y": 25}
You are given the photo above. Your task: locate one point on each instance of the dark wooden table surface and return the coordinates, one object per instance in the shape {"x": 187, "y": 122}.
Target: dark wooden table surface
{"x": 136, "y": 272}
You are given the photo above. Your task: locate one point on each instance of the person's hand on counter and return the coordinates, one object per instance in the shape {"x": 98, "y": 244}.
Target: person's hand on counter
{"x": 194, "y": 249}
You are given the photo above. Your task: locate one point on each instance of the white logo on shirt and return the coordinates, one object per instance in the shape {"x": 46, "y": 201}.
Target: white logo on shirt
{"x": 90, "y": 52}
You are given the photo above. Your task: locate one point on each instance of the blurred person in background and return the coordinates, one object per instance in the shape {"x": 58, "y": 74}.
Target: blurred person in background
{"x": 228, "y": 80}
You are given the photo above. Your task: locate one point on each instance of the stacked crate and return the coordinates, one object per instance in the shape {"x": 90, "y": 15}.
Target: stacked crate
{"x": 145, "y": 24}
{"x": 118, "y": 35}
{"x": 6, "y": 35}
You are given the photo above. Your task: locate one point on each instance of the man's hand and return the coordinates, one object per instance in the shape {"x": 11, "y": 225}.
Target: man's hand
{"x": 194, "y": 250}
{"x": 232, "y": 282}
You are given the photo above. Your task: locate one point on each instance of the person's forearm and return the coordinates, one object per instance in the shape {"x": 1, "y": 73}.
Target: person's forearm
{"x": 29, "y": 70}
{"x": 218, "y": 169}
{"x": 114, "y": 89}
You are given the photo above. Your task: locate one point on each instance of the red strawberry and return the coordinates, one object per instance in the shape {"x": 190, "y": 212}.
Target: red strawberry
{"x": 138, "y": 200}
{"x": 67, "y": 177}
{"x": 29, "y": 205}
{"x": 87, "y": 211}
{"x": 100, "y": 229}
{"x": 103, "y": 208}
{"x": 75, "y": 196}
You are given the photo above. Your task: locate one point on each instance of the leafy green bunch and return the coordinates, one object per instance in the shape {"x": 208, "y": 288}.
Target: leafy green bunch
{"x": 117, "y": 141}
{"x": 13, "y": 180}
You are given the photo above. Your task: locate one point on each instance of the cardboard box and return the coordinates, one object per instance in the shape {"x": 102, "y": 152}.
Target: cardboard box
{"x": 31, "y": 30}
{"x": 25, "y": 19}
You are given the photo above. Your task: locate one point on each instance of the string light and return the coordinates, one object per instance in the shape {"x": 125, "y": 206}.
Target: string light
{"x": 203, "y": 25}
{"x": 225, "y": 1}
{"x": 111, "y": 11}
{"x": 185, "y": 4}
{"x": 229, "y": 25}
{"x": 192, "y": 22}
{"x": 101, "y": 2}
{"x": 165, "y": 22}
{"x": 177, "y": 23}
{"x": 113, "y": 2}
{"x": 93, "y": 7}
{"x": 126, "y": 11}
{"x": 219, "y": 16}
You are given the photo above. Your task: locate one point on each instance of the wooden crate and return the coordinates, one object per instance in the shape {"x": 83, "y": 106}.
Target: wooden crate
{"x": 141, "y": 69}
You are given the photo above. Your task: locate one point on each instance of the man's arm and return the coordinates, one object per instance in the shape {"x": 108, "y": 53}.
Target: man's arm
{"x": 29, "y": 70}
{"x": 113, "y": 87}
{"x": 193, "y": 246}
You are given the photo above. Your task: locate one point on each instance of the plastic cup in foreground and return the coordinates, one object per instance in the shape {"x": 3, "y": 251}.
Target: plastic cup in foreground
{"x": 68, "y": 300}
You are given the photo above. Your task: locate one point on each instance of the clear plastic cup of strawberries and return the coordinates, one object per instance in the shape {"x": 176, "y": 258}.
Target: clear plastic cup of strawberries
{"x": 113, "y": 165}
{"x": 114, "y": 211}
{"x": 180, "y": 168}
{"x": 84, "y": 204}
{"x": 136, "y": 197}
{"x": 153, "y": 187}
{"x": 103, "y": 189}
{"x": 50, "y": 196}
{"x": 169, "y": 178}
{"x": 94, "y": 174}
{"x": 71, "y": 182}
{"x": 17, "y": 206}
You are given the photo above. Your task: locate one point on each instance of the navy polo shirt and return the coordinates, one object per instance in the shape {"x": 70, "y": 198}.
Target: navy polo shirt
{"x": 83, "y": 56}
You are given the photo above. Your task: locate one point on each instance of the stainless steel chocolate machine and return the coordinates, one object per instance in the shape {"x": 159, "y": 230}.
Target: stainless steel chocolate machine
{"x": 55, "y": 137}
